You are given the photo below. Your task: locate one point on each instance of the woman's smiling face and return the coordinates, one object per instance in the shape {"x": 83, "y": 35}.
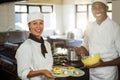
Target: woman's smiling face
{"x": 36, "y": 27}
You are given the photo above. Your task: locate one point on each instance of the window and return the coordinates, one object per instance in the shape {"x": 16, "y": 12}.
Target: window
{"x": 110, "y": 10}
{"x": 81, "y": 16}
{"x": 84, "y": 14}
{"x": 21, "y": 17}
{"x": 34, "y": 9}
{"x": 21, "y": 12}
{"x": 46, "y": 9}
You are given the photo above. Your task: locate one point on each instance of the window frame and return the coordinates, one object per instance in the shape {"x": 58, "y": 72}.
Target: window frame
{"x": 87, "y": 12}
{"x": 41, "y": 11}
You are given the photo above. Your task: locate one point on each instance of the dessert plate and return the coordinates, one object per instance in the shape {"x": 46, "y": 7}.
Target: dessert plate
{"x": 78, "y": 72}
{"x": 65, "y": 72}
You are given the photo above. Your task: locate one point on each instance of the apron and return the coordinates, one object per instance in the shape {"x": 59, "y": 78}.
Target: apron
{"x": 104, "y": 73}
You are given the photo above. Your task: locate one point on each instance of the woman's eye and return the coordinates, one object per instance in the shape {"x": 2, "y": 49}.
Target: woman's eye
{"x": 41, "y": 23}
{"x": 34, "y": 23}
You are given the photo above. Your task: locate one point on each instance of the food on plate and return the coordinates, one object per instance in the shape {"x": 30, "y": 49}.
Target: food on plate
{"x": 67, "y": 71}
{"x": 71, "y": 68}
{"x": 76, "y": 73}
{"x": 60, "y": 74}
{"x": 57, "y": 70}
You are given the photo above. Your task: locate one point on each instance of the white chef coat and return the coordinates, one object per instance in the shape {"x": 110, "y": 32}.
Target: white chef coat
{"x": 29, "y": 57}
{"x": 105, "y": 40}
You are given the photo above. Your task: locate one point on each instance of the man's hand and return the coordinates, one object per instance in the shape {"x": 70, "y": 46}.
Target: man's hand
{"x": 95, "y": 65}
{"x": 81, "y": 51}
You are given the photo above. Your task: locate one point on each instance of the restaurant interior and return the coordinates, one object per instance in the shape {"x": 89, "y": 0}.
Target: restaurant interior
{"x": 62, "y": 30}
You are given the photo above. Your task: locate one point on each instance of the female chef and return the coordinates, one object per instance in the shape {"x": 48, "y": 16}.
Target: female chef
{"x": 34, "y": 56}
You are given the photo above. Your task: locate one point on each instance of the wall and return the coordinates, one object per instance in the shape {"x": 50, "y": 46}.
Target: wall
{"x": 7, "y": 17}
{"x": 7, "y": 14}
{"x": 57, "y": 10}
{"x": 64, "y": 10}
{"x": 68, "y": 17}
{"x": 41, "y": 2}
{"x": 59, "y": 22}
{"x": 116, "y": 11}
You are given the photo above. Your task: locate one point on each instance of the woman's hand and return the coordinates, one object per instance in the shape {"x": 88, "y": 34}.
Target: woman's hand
{"x": 48, "y": 74}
